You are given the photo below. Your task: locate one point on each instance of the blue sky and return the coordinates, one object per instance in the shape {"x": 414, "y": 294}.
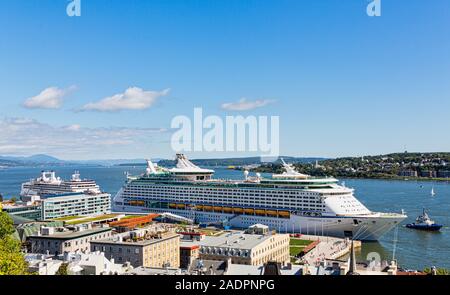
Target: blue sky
{"x": 342, "y": 83}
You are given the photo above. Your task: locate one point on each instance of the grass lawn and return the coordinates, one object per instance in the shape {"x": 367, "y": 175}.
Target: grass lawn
{"x": 66, "y": 218}
{"x": 299, "y": 242}
{"x": 85, "y": 220}
{"x": 131, "y": 216}
{"x": 295, "y": 250}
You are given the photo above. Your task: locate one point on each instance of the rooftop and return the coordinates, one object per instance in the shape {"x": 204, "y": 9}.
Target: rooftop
{"x": 155, "y": 271}
{"x": 142, "y": 237}
{"x": 230, "y": 239}
{"x": 68, "y": 234}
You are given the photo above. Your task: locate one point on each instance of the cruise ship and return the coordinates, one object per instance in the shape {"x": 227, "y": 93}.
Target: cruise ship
{"x": 289, "y": 202}
{"x": 48, "y": 184}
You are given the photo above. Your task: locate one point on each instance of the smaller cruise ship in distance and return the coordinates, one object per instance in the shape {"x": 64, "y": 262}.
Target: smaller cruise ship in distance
{"x": 289, "y": 202}
{"x": 48, "y": 184}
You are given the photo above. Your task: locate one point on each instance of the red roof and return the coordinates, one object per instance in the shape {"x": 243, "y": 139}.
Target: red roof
{"x": 132, "y": 222}
{"x": 190, "y": 247}
{"x": 191, "y": 234}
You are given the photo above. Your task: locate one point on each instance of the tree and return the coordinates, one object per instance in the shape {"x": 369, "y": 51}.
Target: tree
{"x": 1, "y": 197}
{"x": 62, "y": 270}
{"x": 6, "y": 225}
{"x": 12, "y": 261}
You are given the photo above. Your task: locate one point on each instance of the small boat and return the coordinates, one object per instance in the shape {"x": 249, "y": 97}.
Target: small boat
{"x": 432, "y": 191}
{"x": 423, "y": 222}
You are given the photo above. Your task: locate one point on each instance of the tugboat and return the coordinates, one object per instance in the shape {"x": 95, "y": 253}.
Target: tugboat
{"x": 423, "y": 222}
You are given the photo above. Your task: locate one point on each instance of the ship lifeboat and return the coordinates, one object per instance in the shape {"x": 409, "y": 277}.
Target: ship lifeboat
{"x": 199, "y": 207}
{"x": 227, "y": 209}
{"x": 181, "y": 206}
{"x": 260, "y": 212}
{"x": 137, "y": 203}
{"x": 218, "y": 209}
{"x": 284, "y": 214}
{"x": 249, "y": 211}
{"x": 238, "y": 210}
{"x": 172, "y": 206}
{"x": 271, "y": 213}
{"x": 207, "y": 208}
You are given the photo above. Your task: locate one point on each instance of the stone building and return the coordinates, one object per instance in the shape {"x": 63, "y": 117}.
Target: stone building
{"x": 243, "y": 248}
{"x": 142, "y": 247}
{"x": 62, "y": 240}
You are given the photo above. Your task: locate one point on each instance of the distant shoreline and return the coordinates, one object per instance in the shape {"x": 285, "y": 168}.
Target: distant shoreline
{"x": 400, "y": 178}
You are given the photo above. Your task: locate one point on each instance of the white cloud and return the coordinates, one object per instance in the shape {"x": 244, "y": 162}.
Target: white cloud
{"x": 19, "y": 136}
{"x": 74, "y": 127}
{"x": 244, "y": 105}
{"x": 134, "y": 98}
{"x": 49, "y": 98}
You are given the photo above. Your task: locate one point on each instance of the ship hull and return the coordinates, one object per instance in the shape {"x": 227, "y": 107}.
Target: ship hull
{"x": 366, "y": 228}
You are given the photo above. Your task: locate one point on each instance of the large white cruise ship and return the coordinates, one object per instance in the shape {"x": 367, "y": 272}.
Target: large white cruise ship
{"x": 49, "y": 184}
{"x": 290, "y": 202}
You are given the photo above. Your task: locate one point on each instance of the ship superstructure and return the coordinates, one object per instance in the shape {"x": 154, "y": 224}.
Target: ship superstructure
{"x": 48, "y": 184}
{"x": 287, "y": 202}
{"x": 61, "y": 198}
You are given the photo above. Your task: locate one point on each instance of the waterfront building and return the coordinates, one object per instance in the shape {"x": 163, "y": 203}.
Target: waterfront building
{"x": 443, "y": 174}
{"x": 55, "y": 241}
{"x": 428, "y": 173}
{"x": 28, "y": 211}
{"x": 408, "y": 173}
{"x": 289, "y": 202}
{"x": 148, "y": 247}
{"x": 242, "y": 247}
{"x": 75, "y": 204}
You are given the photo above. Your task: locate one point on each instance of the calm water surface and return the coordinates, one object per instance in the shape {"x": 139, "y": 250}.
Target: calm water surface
{"x": 414, "y": 249}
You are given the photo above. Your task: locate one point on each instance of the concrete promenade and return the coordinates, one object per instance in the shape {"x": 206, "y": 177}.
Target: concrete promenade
{"x": 328, "y": 248}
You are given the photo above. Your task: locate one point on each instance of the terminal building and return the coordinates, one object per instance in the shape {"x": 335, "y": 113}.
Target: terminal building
{"x": 75, "y": 204}
{"x": 21, "y": 209}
